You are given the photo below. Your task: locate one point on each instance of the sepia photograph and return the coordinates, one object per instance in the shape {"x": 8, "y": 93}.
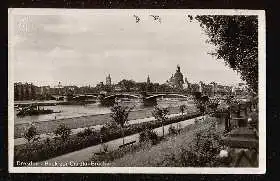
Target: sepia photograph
{"x": 137, "y": 91}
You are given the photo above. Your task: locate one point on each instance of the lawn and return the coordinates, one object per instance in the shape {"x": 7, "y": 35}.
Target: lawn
{"x": 147, "y": 155}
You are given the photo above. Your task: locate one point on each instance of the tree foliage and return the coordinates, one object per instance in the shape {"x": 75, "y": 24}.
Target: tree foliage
{"x": 127, "y": 85}
{"x": 31, "y": 133}
{"x": 63, "y": 131}
{"x": 160, "y": 114}
{"x": 120, "y": 114}
{"x": 236, "y": 42}
{"x": 182, "y": 108}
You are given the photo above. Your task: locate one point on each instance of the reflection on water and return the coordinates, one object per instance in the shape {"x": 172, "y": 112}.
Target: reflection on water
{"x": 68, "y": 111}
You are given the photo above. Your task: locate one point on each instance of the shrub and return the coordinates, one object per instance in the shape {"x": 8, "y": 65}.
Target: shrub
{"x": 55, "y": 147}
{"x": 201, "y": 152}
{"x": 86, "y": 132}
{"x": 148, "y": 135}
{"x": 63, "y": 131}
{"x": 31, "y": 133}
{"x": 182, "y": 108}
{"x": 153, "y": 137}
{"x": 172, "y": 130}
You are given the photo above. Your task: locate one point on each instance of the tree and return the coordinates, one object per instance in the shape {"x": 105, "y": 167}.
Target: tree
{"x": 160, "y": 114}
{"x": 31, "y": 133}
{"x": 200, "y": 101}
{"x": 120, "y": 115}
{"x": 127, "y": 84}
{"x": 63, "y": 131}
{"x": 141, "y": 86}
{"x": 236, "y": 42}
{"x": 213, "y": 104}
{"x": 182, "y": 108}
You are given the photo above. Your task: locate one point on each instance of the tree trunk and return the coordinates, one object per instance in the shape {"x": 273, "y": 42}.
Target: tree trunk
{"x": 123, "y": 135}
{"x": 162, "y": 130}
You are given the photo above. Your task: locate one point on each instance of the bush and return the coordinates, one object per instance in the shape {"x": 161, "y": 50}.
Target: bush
{"x": 148, "y": 135}
{"x": 63, "y": 131}
{"x": 55, "y": 147}
{"x": 86, "y": 132}
{"x": 201, "y": 152}
{"x": 172, "y": 130}
{"x": 31, "y": 133}
{"x": 182, "y": 108}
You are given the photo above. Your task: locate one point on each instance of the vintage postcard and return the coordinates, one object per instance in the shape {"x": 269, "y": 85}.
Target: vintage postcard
{"x": 137, "y": 91}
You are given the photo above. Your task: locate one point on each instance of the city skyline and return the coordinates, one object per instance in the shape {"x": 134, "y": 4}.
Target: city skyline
{"x": 48, "y": 49}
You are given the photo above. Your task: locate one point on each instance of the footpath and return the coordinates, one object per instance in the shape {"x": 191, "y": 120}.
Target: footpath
{"x": 44, "y": 127}
{"x": 21, "y": 141}
{"x": 87, "y": 153}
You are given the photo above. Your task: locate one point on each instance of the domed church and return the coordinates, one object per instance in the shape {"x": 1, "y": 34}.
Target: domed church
{"x": 177, "y": 80}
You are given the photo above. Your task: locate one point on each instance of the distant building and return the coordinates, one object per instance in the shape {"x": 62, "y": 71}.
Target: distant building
{"x": 240, "y": 89}
{"x": 148, "y": 80}
{"x": 25, "y": 91}
{"x": 205, "y": 89}
{"x": 209, "y": 89}
{"x": 100, "y": 86}
{"x": 108, "y": 80}
{"x": 186, "y": 85}
{"x": 44, "y": 90}
{"x": 176, "y": 81}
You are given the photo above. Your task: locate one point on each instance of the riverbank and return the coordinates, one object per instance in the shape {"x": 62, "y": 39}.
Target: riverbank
{"x": 45, "y": 127}
{"x": 170, "y": 152}
{"x": 21, "y": 141}
{"x": 51, "y": 148}
{"x": 88, "y": 155}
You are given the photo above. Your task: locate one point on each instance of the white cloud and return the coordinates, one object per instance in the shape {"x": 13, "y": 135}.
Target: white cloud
{"x": 85, "y": 48}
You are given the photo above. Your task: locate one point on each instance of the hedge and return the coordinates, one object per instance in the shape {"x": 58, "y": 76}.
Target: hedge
{"x": 43, "y": 150}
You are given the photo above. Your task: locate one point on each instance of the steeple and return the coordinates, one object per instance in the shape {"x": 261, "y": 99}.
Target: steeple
{"x": 148, "y": 80}
{"x": 178, "y": 68}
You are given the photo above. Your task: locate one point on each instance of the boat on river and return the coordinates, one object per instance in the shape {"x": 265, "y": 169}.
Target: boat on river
{"x": 33, "y": 110}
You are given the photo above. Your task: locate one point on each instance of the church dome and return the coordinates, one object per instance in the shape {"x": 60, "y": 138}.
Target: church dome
{"x": 178, "y": 76}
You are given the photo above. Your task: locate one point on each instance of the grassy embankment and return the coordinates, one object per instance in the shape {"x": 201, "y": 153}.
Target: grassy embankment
{"x": 39, "y": 151}
{"x": 175, "y": 150}
{"x": 83, "y": 121}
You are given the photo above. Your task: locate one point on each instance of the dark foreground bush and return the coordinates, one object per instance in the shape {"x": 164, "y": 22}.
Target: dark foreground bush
{"x": 44, "y": 150}
{"x": 203, "y": 151}
{"x": 172, "y": 130}
{"x": 148, "y": 135}
{"x": 86, "y": 132}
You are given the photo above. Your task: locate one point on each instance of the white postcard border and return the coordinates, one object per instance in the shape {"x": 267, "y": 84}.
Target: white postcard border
{"x": 153, "y": 170}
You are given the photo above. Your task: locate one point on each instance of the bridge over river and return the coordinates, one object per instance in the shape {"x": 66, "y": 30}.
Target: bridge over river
{"x": 147, "y": 99}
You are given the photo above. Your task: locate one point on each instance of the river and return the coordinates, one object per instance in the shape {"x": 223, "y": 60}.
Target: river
{"x": 70, "y": 111}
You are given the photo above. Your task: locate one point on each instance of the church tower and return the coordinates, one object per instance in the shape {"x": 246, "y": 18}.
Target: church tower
{"x": 178, "y": 79}
{"x": 148, "y": 80}
{"x": 108, "y": 80}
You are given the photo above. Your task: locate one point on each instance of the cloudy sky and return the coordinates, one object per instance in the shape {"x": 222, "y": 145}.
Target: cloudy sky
{"x": 81, "y": 48}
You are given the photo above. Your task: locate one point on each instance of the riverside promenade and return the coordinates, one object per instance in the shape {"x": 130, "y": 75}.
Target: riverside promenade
{"x": 87, "y": 153}
{"x": 45, "y": 127}
{"x": 20, "y": 141}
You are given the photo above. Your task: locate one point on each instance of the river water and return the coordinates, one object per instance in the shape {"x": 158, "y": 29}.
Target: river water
{"x": 69, "y": 111}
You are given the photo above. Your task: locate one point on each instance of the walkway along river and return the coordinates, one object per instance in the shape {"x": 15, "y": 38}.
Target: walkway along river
{"x": 87, "y": 153}
{"x": 88, "y": 118}
{"x": 20, "y": 141}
